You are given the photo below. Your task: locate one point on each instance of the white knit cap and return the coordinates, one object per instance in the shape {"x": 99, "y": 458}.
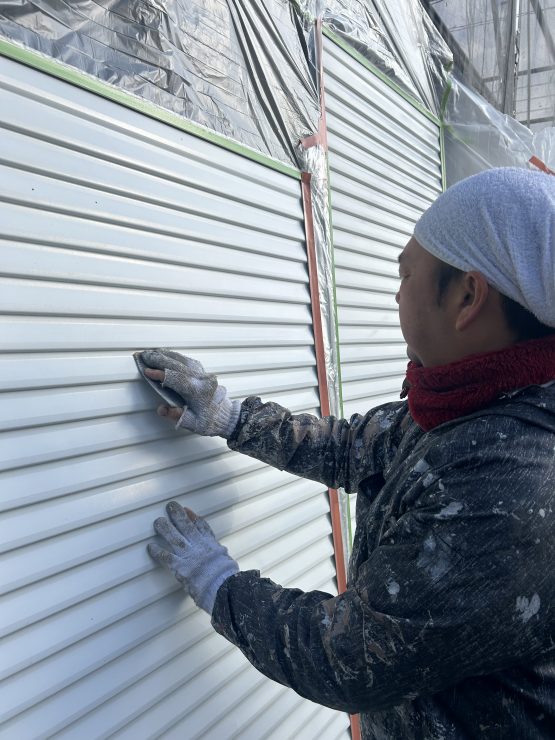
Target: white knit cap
{"x": 500, "y": 222}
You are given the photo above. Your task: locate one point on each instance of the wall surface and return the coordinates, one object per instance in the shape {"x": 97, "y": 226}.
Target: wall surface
{"x": 385, "y": 170}
{"x": 120, "y": 233}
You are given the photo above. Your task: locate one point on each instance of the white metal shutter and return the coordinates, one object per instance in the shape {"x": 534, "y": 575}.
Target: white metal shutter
{"x": 117, "y": 233}
{"x": 385, "y": 170}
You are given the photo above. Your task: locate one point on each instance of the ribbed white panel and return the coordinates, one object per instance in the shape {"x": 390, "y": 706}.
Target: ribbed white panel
{"x": 119, "y": 233}
{"x": 385, "y": 170}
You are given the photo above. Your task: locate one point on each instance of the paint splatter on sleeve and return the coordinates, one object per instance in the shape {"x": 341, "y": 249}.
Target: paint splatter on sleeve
{"x": 453, "y": 586}
{"x": 336, "y": 452}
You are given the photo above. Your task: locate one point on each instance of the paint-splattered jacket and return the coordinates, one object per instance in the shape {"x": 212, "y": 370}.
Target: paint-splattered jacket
{"x": 446, "y": 628}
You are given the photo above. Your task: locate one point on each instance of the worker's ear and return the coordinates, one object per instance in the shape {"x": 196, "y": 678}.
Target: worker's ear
{"x": 472, "y": 292}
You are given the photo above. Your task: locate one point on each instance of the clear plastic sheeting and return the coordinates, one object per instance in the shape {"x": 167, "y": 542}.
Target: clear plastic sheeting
{"x": 505, "y": 51}
{"x": 477, "y": 136}
{"x": 499, "y": 102}
{"x": 240, "y": 68}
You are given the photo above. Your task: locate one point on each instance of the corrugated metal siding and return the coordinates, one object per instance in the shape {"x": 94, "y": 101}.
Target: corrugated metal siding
{"x": 117, "y": 233}
{"x": 385, "y": 170}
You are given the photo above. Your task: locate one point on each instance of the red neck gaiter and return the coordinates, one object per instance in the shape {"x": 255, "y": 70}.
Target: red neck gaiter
{"x": 440, "y": 394}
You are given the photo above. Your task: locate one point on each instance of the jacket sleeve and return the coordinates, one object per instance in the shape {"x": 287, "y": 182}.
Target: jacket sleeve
{"x": 459, "y": 586}
{"x": 335, "y": 452}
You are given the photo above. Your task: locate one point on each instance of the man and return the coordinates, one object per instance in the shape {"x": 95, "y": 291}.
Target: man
{"x": 446, "y": 627}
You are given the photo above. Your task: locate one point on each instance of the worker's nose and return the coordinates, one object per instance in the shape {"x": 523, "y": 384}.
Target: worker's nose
{"x": 397, "y": 297}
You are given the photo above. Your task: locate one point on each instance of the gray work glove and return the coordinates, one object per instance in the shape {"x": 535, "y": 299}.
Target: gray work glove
{"x": 206, "y": 409}
{"x": 196, "y": 558}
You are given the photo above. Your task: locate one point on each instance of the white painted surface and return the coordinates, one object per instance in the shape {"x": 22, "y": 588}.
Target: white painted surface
{"x": 119, "y": 233}
{"x": 385, "y": 170}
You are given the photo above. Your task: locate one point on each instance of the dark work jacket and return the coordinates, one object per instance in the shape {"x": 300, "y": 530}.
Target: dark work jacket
{"x": 446, "y": 628}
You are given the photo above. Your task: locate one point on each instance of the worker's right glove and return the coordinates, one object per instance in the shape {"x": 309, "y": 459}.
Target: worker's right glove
{"x": 206, "y": 408}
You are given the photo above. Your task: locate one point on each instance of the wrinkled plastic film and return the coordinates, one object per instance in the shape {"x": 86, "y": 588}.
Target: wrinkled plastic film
{"x": 312, "y": 156}
{"x": 418, "y": 46}
{"x": 506, "y": 52}
{"x": 240, "y": 68}
{"x": 478, "y": 136}
{"x": 316, "y": 163}
{"x": 499, "y": 104}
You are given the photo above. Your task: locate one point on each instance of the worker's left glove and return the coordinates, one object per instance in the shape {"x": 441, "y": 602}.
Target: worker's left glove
{"x": 195, "y": 557}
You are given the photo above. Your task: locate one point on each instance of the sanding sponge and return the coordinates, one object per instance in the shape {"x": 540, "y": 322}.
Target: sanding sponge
{"x": 170, "y": 397}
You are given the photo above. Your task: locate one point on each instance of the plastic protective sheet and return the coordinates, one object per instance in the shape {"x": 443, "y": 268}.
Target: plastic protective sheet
{"x": 315, "y": 162}
{"x": 505, "y": 51}
{"x": 240, "y": 68}
{"x": 477, "y": 136}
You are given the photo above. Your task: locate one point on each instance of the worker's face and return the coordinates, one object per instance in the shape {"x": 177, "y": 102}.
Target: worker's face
{"x": 425, "y": 324}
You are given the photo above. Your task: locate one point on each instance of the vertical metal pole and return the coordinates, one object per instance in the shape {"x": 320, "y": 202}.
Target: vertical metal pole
{"x": 511, "y": 68}
{"x": 499, "y": 52}
{"x": 537, "y": 8}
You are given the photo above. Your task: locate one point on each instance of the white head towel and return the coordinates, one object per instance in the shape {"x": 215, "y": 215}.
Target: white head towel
{"x": 500, "y": 222}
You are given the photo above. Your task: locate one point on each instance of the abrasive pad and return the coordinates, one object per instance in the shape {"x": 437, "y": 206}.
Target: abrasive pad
{"x": 169, "y": 396}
